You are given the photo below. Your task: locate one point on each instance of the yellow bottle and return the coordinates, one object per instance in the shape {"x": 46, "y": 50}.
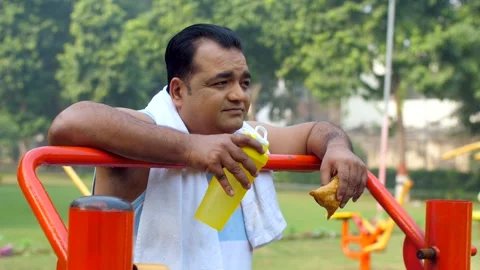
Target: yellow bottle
{"x": 217, "y": 207}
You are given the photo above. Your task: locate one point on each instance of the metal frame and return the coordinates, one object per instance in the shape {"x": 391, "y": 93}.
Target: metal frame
{"x": 415, "y": 245}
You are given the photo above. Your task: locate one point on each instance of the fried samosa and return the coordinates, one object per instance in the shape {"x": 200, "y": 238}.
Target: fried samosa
{"x": 326, "y": 196}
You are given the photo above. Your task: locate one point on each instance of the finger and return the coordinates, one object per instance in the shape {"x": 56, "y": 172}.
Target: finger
{"x": 343, "y": 174}
{"x": 239, "y": 156}
{"x": 236, "y": 171}
{"x": 244, "y": 140}
{"x": 325, "y": 173}
{"x": 352, "y": 184}
{"x": 222, "y": 179}
{"x": 361, "y": 186}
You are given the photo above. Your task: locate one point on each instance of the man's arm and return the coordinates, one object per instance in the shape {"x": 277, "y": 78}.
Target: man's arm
{"x": 311, "y": 138}
{"x": 120, "y": 131}
{"x": 329, "y": 143}
{"x": 124, "y": 132}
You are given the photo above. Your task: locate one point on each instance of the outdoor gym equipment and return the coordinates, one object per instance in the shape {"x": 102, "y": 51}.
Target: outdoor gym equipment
{"x": 461, "y": 151}
{"x": 76, "y": 180}
{"x": 369, "y": 238}
{"x": 105, "y": 224}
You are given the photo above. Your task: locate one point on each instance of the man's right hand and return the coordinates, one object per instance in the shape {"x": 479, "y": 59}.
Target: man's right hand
{"x": 212, "y": 153}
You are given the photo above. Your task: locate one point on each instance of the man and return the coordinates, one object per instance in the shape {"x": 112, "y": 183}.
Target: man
{"x": 208, "y": 82}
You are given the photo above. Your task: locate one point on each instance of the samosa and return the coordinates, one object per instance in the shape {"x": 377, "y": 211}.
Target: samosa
{"x": 326, "y": 196}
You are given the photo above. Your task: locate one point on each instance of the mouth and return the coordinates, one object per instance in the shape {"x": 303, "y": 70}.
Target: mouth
{"x": 234, "y": 110}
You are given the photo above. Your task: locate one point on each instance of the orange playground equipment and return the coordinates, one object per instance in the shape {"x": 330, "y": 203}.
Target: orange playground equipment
{"x": 369, "y": 238}
{"x": 99, "y": 223}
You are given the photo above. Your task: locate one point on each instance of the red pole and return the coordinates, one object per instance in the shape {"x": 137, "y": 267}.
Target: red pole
{"x": 100, "y": 234}
{"x": 448, "y": 235}
{"x": 396, "y": 211}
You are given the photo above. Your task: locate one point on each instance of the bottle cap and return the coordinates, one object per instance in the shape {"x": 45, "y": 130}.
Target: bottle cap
{"x": 261, "y": 138}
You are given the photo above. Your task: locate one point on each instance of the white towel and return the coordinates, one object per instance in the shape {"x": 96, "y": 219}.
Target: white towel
{"x": 169, "y": 234}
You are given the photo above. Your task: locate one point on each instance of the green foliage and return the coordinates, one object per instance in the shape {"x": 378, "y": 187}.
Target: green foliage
{"x": 32, "y": 33}
{"x": 134, "y": 8}
{"x": 56, "y": 52}
{"x": 118, "y": 58}
{"x": 321, "y": 42}
{"x": 9, "y": 131}
{"x": 333, "y": 46}
{"x": 142, "y": 47}
{"x": 88, "y": 63}
{"x": 460, "y": 62}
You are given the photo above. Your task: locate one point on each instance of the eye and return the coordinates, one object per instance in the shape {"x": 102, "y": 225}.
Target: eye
{"x": 221, "y": 84}
{"x": 246, "y": 84}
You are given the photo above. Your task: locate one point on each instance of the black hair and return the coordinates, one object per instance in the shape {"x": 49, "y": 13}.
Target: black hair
{"x": 182, "y": 47}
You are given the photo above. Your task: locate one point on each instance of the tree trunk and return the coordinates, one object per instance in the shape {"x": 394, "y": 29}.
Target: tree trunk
{"x": 400, "y": 127}
{"x": 254, "y": 93}
{"x": 335, "y": 112}
{"x": 402, "y": 174}
{"x": 22, "y": 148}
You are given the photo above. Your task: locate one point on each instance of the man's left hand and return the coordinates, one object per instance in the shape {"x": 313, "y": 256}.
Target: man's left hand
{"x": 350, "y": 169}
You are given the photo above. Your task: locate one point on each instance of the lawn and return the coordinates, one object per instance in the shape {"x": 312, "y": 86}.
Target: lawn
{"x": 18, "y": 226}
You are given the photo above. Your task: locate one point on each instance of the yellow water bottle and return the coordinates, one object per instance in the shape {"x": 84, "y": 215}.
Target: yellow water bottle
{"x": 217, "y": 207}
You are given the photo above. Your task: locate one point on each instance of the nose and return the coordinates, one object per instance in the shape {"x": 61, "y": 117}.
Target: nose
{"x": 237, "y": 94}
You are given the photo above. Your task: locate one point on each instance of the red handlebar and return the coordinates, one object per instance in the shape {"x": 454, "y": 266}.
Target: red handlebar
{"x": 56, "y": 231}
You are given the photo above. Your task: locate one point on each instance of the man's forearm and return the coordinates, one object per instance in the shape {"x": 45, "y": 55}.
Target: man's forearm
{"x": 99, "y": 126}
{"x": 324, "y": 135}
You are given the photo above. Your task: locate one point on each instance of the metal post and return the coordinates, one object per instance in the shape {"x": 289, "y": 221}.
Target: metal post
{"x": 100, "y": 234}
{"x": 386, "y": 95}
{"x": 448, "y": 235}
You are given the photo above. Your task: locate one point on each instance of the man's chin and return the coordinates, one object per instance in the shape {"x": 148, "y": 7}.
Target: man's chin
{"x": 232, "y": 126}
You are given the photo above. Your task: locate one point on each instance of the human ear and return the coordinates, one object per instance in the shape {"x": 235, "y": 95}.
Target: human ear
{"x": 177, "y": 91}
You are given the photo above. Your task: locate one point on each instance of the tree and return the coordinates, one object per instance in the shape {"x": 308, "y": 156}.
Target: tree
{"x": 31, "y": 35}
{"x": 134, "y": 8}
{"x": 339, "y": 44}
{"x": 116, "y": 60}
{"x": 151, "y": 31}
{"x": 9, "y": 133}
{"x": 144, "y": 42}
{"x": 88, "y": 65}
{"x": 120, "y": 61}
{"x": 458, "y": 64}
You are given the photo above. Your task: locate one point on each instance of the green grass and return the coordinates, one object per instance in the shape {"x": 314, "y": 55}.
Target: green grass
{"x": 303, "y": 215}
{"x": 18, "y": 225}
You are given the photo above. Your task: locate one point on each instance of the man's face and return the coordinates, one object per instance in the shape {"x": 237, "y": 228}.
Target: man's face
{"x": 215, "y": 98}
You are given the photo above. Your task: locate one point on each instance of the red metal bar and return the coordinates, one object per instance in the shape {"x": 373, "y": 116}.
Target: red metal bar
{"x": 56, "y": 231}
{"x": 396, "y": 211}
{"x": 449, "y": 234}
{"x": 44, "y": 210}
{"x": 42, "y": 206}
{"x": 100, "y": 234}
{"x": 53, "y": 155}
